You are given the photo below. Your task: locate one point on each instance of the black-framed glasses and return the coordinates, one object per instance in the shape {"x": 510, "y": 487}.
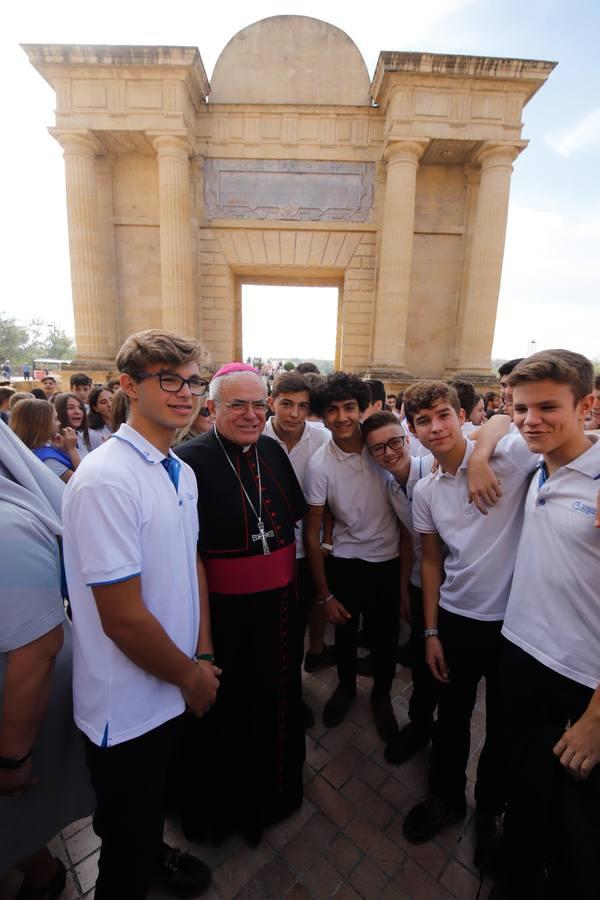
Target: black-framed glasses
{"x": 172, "y": 383}
{"x": 395, "y": 444}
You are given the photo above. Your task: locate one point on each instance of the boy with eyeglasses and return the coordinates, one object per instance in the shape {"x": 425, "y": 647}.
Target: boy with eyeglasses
{"x": 141, "y": 626}
{"x": 389, "y": 447}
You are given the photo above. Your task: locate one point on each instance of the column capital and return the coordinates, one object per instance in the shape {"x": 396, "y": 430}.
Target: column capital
{"x": 81, "y": 143}
{"x": 498, "y": 153}
{"x": 174, "y": 145}
{"x": 404, "y": 150}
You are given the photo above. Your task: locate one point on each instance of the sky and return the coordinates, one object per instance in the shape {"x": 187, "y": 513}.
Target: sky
{"x": 550, "y": 289}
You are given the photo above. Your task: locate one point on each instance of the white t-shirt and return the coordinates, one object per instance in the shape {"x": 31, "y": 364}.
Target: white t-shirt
{"x": 312, "y": 438}
{"x": 98, "y": 436}
{"x": 420, "y": 466}
{"x": 553, "y": 611}
{"x": 122, "y": 517}
{"x": 481, "y": 548}
{"x": 355, "y": 488}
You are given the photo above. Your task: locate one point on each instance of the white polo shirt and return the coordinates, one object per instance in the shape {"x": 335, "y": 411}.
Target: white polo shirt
{"x": 355, "y": 488}
{"x": 481, "y": 549}
{"x": 312, "y": 438}
{"x": 123, "y": 517}
{"x": 420, "y": 466}
{"x": 554, "y": 606}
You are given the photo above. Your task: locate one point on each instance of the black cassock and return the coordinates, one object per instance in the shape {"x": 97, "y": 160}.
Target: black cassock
{"x": 243, "y": 767}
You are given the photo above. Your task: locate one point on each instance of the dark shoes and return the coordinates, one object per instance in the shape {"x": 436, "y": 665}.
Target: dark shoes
{"x": 488, "y": 847}
{"x": 385, "y": 718}
{"x": 308, "y": 716}
{"x": 334, "y": 711}
{"x": 404, "y": 744}
{"x": 183, "y": 875}
{"x": 427, "y": 819}
{"x": 315, "y": 661}
{"x": 49, "y": 891}
{"x": 364, "y": 666}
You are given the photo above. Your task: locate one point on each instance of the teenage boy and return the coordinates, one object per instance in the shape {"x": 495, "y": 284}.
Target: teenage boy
{"x": 363, "y": 573}
{"x": 504, "y": 373}
{"x": 464, "y": 598}
{"x": 49, "y": 386}
{"x": 551, "y": 664}
{"x": 81, "y": 385}
{"x": 389, "y": 447}
{"x": 377, "y": 391}
{"x": 290, "y": 403}
{"x": 596, "y": 405}
{"x": 142, "y": 644}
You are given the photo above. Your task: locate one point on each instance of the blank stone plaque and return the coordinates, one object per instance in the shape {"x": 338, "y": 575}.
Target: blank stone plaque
{"x": 288, "y": 189}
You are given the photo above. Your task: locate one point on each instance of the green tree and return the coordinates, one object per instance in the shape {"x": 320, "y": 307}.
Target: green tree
{"x": 289, "y": 366}
{"x": 13, "y": 340}
{"x": 58, "y": 343}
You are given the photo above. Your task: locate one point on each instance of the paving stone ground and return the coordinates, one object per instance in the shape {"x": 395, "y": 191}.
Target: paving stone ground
{"x": 346, "y": 840}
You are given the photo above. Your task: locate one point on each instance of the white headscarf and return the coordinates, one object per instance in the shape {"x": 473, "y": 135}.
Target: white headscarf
{"x": 26, "y": 482}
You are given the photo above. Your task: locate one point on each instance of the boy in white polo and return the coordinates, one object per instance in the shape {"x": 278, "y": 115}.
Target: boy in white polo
{"x": 142, "y": 646}
{"x": 389, "y": 447}
{"x": 363, "y": 573}
{"x": 551, "y": 664}
{"x": 290, "y": 402}
{"x": 464, "y": 596}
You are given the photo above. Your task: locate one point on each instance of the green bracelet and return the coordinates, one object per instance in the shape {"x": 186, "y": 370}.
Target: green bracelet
{"x": 209, "y": 657}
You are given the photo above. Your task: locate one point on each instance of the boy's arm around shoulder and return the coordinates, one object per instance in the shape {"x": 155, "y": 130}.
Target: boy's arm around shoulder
{"x": 484, "y": 488}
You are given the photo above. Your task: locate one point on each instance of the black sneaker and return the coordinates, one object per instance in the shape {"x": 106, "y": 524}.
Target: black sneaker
{"x": 408, "y": 741}
{"x": 307, "y": 715}
{"x": 488, "y": 836}
{"x": 385, "y": 718}
{"x": 315, "y": 661}
{"x": 183, "y": 875}
{"x": 334, "y": 711}
{"x": 427, "y": 819}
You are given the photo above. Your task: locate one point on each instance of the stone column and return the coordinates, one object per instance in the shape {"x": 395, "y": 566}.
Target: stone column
{"x": 395, "y": 256}
{"x": 177, "y": 280}
{"x": 478, "y": 312}
{"x": 92, "y": 330}
{"x": 104, "y": 180}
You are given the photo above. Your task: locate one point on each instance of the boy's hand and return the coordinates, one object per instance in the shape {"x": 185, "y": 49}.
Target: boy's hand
{"x": 333, "y": 611}
{"x": 434, "y": 656}
{"x": 484, "y": 488}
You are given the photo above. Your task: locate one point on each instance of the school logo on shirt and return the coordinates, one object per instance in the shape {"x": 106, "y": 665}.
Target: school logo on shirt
{"x": 580, "y": 506}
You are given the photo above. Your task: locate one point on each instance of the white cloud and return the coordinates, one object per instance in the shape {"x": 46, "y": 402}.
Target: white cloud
{"x": 550, "y": 284}
{"x": 585, "y": 134}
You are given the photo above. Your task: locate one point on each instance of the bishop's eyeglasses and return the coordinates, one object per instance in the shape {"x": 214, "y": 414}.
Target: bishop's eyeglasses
{"x": 172, "y": 383}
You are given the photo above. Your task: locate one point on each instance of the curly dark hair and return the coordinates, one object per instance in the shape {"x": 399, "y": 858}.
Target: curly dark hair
{"x": 340, "y": 386}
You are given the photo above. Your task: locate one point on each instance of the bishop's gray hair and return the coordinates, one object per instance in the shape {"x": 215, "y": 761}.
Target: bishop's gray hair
{"x": 214, "y": 389}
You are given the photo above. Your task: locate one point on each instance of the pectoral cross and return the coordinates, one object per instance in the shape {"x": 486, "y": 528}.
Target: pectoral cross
{"x": 262, "y": 536}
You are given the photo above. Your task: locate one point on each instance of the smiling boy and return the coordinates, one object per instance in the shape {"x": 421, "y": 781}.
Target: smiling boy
{"x": 551, "y": 664}
{"x": 464, "y": 597}
{"x": 363, "y": 573}
{"x": 141, "y": 627}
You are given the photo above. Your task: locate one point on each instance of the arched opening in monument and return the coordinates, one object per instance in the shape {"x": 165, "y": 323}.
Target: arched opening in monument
{"x": 290, "y": 322}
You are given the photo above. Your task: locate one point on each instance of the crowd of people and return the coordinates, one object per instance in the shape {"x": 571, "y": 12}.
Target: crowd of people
{"x": 233, "y": 521}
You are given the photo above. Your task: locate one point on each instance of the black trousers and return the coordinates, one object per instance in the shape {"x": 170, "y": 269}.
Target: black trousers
{"x": 130, "y": 781}
{"x": 472, "y": 651}
{"x": 552, "y": 823}
{"x": 373, "y": 589}
{"x": 423, "y": 699}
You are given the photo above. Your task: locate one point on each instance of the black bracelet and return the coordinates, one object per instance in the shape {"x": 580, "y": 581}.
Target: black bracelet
{"x": 13, "y": 764}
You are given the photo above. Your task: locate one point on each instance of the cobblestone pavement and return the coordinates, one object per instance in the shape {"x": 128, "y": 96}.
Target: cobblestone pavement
{"x": 346, "y": 840}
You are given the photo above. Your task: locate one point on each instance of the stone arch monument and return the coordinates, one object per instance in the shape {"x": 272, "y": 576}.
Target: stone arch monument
{"x": 292, "y": 168}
